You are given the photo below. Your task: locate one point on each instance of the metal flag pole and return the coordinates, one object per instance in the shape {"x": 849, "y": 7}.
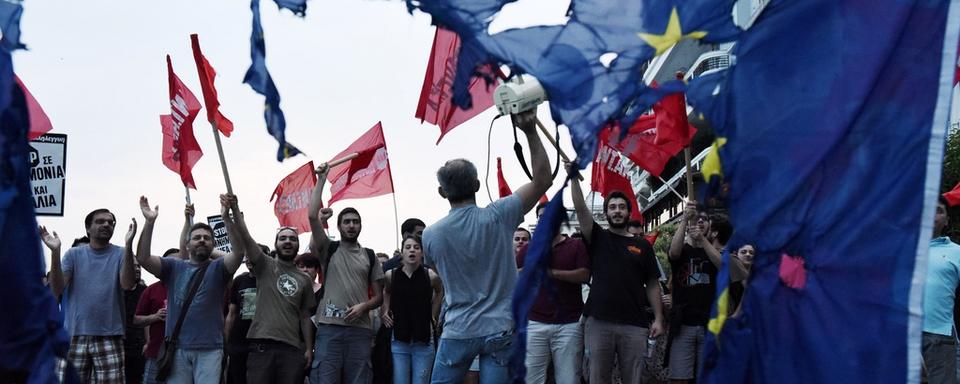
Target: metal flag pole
{"x": 187, "y": 189}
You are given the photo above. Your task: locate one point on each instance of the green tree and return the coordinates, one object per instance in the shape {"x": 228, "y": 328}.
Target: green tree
{"x": 662, "y": 245}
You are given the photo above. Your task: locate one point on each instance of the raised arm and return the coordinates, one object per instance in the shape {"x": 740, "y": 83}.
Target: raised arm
{"x": 188, "y": 212}
{"x": 128, "y": 279}
{"x": 584, "y": 217}
{"x": 317, "y": 216}
{"x": 238, "y": 246}
{"x": 56, "y": 273}
{"x": 147, "y": 261}
{"x": 542, "y": 178}
{"x": 676, "y": 245}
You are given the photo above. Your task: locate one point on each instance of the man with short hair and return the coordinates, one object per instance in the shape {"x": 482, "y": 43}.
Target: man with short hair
{"x": 943, "y": 277}
{"x": 350, "y": 271}
{"x": 472, "y": 251}
{"x": 520, "y": 238}
{"x": 554, "y": 332}
{"x": 694, "y": 262}
{"x": 635, "y": 227}
{"x": 94, "y": 277}
{"x": 151, "y": 313}
{"x": 625, "y": 283}
{"x": 199, "y": 349}
{"x": 134, "y": 339}
{"x": 281, "y": 335}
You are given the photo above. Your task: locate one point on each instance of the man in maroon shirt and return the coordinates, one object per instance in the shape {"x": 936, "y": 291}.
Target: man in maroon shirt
{"x": 554, "y": 331}
{"x": 152, "y": 312}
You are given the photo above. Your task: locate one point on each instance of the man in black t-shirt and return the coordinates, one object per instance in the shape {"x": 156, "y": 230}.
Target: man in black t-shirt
{"x": 243, "y": 305}
{"x": 624, "y": 272}
{"x": 694, "y": 260}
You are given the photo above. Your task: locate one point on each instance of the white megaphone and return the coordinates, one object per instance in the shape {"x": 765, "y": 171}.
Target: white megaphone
{"x": 520, "y": 95}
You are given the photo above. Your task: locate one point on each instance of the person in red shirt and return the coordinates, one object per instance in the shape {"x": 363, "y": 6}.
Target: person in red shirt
{"x": 152, "y": 314}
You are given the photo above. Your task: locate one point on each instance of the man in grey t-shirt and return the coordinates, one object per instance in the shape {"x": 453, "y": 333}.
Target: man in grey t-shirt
{"x": 95, "y": 276}
{"x": 472, "y": 250}
{"x": 344, "y": 329}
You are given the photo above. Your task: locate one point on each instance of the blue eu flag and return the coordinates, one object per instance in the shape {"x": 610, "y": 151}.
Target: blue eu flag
{"x": 591, "y": 66}
{"x": 259, "y": 79}
{"x": 831, "y": 124}
{"x": 10, "y": 12}
{"x": 31, "y": 328}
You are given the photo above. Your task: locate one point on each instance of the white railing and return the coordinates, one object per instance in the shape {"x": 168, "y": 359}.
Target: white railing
{"x": 673, "y": 181}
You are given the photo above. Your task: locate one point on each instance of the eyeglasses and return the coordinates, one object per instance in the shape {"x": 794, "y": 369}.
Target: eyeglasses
{"x": 281, "y": 229}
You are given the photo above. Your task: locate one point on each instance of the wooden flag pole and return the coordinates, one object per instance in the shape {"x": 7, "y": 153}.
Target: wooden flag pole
{"x": 556, "y": 145}
{"x": 686, "y": 160}
{"x": 223, "y": 161}
{"x": 342, "y": 160}
{"x": 687, "y": 155}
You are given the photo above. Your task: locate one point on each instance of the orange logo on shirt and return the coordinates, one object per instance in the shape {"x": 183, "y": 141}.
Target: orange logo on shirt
{"x": 634, "y": 250}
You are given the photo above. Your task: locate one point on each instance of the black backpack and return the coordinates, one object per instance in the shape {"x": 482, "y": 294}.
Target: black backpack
{"x": 331, "y": 249}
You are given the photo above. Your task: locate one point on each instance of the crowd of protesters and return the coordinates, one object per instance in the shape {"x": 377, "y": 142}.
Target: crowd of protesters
{"x": 438, "y": 310}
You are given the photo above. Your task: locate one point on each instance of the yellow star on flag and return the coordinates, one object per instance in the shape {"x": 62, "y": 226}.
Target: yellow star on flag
{"x": 711, "y": 165}
{"x": 671, "y": 36}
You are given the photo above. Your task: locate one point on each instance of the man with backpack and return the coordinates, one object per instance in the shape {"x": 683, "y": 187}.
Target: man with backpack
{"x": 350, "y": 272}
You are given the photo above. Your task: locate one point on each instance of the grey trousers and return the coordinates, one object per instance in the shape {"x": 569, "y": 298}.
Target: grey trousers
{"x": 605, "y": 341}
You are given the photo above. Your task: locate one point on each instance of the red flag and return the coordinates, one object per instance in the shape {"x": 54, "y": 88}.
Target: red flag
{"x": 368, "y": 174}
{"x": 652, "y": 237}
{"x": 672, "y": 125}
{"x": 39, "y": 122}
{"x": 502, "y": 182}
{"x": 639, "y": 144}
{"x": 436, "y": 106}
{"x": 207, "y": 75}
{"x": 293, "y": 198}
{"x": 953, "y": 196}
{"x": 610, "y": 175}
{"x": 180, "y": 148}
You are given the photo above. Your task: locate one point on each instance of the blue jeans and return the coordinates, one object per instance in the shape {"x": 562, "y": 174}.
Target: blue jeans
{"x": 341, "y": 355}
{"x": 150, "y": 371}
{"x": 455, "y": 355}
{"x": 412, "y": 362}
{"x": 196, "y": 366}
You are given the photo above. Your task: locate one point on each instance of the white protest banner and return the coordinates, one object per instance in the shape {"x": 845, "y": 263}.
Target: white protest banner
{"x": 220, "y": 240}
{"x": 48, "y": 163}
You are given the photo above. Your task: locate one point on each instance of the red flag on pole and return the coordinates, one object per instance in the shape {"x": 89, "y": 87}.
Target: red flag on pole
{"x": 652, "y": 237}
{"x": 293, "y": 198}
{"x": 39, "y": 122}
{"x": 953, "y": 196}
{"x": 436, "y": 106}
{"x": 368, "y": 174}
{"x": 207, "y": 75}
{"x": 639, "y": 144}
{"x": 501, "y": 181}
{"x": 609, "y": 174}
{"x": 180, "y": 148}
{"x": 672, "y": 125}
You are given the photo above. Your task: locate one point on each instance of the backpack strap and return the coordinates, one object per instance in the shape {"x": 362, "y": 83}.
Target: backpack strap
{"x": 331, "y": 249}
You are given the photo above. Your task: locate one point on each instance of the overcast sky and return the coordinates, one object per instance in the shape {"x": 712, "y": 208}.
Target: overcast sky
{"x": 98, "y": 70}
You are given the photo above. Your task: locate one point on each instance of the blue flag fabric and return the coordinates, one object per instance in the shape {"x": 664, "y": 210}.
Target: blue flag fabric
{"x": 31, "y": 328}
{"x": 299, "y": 7}
{"x": 260, "y": 80}
{"x": 831, "y": 126}
{"x": 591, "y": 67}
{"x": 534, "y": 273}
{"x": 10, "y": 12}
